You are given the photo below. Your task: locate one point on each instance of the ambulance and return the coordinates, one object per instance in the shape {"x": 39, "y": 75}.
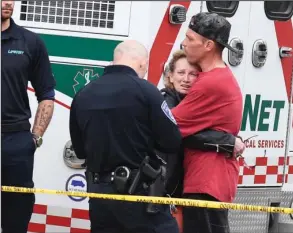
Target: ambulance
{"x": 80, "y": 37}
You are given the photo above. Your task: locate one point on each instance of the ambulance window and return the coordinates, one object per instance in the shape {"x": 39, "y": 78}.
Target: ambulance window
{"x": 279, "y": 10}
{"x": 83, "y": 16}
{"x": 224, "y": 8}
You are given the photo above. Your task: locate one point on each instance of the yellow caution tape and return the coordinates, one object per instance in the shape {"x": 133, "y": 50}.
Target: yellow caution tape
{"x": 155, "y": 200}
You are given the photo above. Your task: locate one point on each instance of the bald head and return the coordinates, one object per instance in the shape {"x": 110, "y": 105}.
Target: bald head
{"x": 132, "y": 53}
{"x": 130, "y": 49}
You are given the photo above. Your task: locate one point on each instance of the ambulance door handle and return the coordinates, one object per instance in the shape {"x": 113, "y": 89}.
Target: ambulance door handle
{"x": 235, "y": 59}
{"x": 285, "y": 52}
{"x": 70, "y": 159}
{"x": 259, "y": 53}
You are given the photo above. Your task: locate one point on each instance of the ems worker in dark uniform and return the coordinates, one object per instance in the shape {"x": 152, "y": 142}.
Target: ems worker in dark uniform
{"x": 116, "y": 123}
{"x": 24, "y": 58}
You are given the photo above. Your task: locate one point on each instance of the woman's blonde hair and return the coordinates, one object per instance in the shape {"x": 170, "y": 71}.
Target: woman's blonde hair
{"x": 170, "y": 67}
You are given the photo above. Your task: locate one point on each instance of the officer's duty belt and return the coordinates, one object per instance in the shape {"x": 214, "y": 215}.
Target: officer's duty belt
{"x": 108, "y": 177}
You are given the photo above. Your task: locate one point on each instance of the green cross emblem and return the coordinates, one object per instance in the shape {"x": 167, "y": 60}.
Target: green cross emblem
{"x": 83, "y": 78}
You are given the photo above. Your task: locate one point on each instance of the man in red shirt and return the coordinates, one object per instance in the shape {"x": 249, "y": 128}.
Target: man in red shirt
{"x": 214, "y": 102}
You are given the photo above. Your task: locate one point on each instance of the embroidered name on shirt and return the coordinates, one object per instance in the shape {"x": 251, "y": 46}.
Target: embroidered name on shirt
{"x": 18, "y": 52}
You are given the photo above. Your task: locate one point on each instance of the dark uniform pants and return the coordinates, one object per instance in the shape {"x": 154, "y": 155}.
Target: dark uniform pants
{"x": 17, "y": 163}
{"x": 204, "y": 220}
{"x": 109, "y": 216}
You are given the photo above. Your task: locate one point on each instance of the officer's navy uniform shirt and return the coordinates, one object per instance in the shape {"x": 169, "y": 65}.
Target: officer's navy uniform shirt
{"x": 24, "y": 58}
{"x": 118, "y": 119}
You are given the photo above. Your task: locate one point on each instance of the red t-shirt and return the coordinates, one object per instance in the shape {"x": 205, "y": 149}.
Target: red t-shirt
{"x": 214, "y": 102}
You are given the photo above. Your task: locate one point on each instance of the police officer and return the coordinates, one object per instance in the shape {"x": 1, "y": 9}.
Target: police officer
{"x": 116, "y": 122}
{"x": 24, "y": 58}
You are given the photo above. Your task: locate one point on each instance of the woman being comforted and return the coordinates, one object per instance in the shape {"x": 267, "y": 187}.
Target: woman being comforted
{"x": 179, "y": 76}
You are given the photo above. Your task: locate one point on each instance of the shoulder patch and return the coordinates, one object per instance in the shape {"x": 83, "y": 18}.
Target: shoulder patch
{"x": 167, "y": 112}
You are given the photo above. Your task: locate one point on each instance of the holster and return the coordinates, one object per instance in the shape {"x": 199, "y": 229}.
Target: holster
{"x": 145, "y": 175}
{"x": 153, "y": 179}
{"x": 157, "y": 189}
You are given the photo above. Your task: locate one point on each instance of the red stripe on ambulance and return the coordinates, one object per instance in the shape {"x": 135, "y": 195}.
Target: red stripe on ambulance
{"x": 40, "y": 209}
{"x": 80, "y": 214}
{"x": 163, "y": 45}
{"x": 284, "y": 32}
{"x": 58, "y": 221}
{"x": 36, "y": 227}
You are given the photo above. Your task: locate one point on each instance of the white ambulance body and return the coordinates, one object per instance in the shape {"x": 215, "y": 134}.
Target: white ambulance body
{"x": 80, "y": 37}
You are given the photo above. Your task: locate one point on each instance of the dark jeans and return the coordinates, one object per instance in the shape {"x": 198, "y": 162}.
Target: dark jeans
{"x": 204, "y": 220}
{"x": 17, "y": 163}
{"x": 109, "y": 216}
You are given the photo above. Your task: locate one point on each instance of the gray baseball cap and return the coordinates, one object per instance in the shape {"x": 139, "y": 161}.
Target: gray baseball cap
{"x": 212, "y": 26}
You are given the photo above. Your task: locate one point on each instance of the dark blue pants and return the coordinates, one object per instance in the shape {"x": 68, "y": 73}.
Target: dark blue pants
{"x": 109, "y": 216}
{"x": 17, "y": 163}
{"x": 204, "y": 220}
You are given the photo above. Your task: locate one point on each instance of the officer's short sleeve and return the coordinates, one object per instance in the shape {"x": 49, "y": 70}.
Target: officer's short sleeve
{"x": 42, "y": 78}
{"x": 164, "y": 127}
